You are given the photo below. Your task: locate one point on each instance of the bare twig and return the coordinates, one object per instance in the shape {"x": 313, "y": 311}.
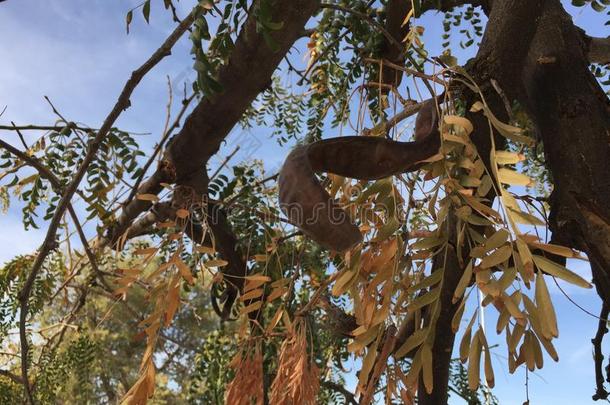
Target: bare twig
{"x": 25, "y": 145}
{"x": 224, "y": 163}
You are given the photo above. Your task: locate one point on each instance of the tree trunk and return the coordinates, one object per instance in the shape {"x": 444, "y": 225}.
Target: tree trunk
{"x": 571, "y": 113}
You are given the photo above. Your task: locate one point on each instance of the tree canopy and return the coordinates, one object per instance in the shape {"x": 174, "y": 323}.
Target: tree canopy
{"x": 436, "y": 180}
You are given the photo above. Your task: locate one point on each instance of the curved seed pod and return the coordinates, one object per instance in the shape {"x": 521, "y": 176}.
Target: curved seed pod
{"x": 310, "y": 207}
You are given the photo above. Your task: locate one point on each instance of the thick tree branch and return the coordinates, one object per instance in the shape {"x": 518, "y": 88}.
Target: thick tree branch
{"x": 596, "y": 49}
{"x": 247, "y": 73}
{"x": 572, "y": 115}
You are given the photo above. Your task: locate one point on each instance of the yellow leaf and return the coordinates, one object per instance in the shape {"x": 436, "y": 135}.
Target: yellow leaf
{"x": 251, "y": 294}
{"x": 489, "y": 371}
{"x": 521, "y": 217}
{"x": 367, "y": 364}
{"x": 27, "y": 180}
{"x": 556, "y": 249}
{"x": 145, "y": 251}
{"x": 534, "y": 317}
{"x": 185, "y": 272}
{"x": 182, "y": 213}
{"x": 147, "y": 197}
{"x": 463, "y": 283}
{"x": 465, "y": 346}
{"x": 460, "y": 122}
{"x": 274, "y": 321}
{"x": 515, "y": 338}
{"x": 424, "y": 300}
{"x": 497, "y": 239}
{"x": 426, "y": 359}
{"x": 457, "y": 317}
{"x": 508, "y": 176}
{"x": 341, "y": 285}
{"x": 497, "y": 257}
{"x": 504, "y": 157}
{"x": 260, "y": 258}
{"x": 208, "y": 250}
{"x": 276, "y": 293}
{"x": 548, "y": 346}
{"x": 513, "y": 307}
{"x": 481, "y": 208}
{"x": 252, "y": 284}
{"x": 387, "y": 230}
{"x": 563, "y": 273}
{"x": 218, "y": 263}
{"x": 173, "y": 301}
{"x": 474, "y": 362}
{"x": 543, "y": 301}
{"x": 412, "y": 342}
{"x": 429, "y": 281}
{"x": 251, "y": 308}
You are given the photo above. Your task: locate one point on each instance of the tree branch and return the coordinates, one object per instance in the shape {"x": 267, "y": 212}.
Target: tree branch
{"x": 598, "y": 357}
{"x": 247, "y": 73}
{"x": 597, "y": 49}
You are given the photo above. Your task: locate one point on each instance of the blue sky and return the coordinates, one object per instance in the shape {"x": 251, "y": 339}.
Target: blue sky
{"x": 77, "y": 53}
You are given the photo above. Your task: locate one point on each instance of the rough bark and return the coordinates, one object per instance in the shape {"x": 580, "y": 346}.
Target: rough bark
{"x": 572, "y": 115}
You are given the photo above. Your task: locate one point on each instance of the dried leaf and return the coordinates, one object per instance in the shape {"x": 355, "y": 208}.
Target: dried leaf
{"x": 474, "y": 362}
{"x": 147, "y": 197}
{"x": 557, "y": 270}
{"x": 426, "y": 359}
{"x": 543, "y": 301}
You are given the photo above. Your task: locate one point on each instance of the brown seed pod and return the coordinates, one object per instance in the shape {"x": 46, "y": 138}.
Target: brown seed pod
{"x": 311, "y": 208}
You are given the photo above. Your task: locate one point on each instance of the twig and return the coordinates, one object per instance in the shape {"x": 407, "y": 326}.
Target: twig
{"x": 55, "y": 110}
{"x": 185, "y": 103}
{"x": 407, "y": 70}
{"x": 224, "y": 163}
{"x": 48, "y": 244}
{"x": 598, "y": 357}
{"x": 57, "y": 128}
{"x": 25, "y": 145}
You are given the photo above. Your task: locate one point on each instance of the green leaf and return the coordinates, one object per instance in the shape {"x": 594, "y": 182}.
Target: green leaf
{"x": 146, "y": 11}
{"x": 597, "y": 7}
{"x": 128, "y": 19}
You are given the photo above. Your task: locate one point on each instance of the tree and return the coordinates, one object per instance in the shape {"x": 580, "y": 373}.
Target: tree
{"x": 403, "y": 233}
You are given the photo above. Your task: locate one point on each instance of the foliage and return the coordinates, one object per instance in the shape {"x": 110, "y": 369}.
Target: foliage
{"x": 136, "y": 325}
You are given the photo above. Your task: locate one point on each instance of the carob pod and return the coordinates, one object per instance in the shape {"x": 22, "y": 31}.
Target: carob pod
{"x": 309, "y": 206}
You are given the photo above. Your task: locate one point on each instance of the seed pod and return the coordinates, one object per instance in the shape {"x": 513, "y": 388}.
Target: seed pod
{"x": 309, "y": 206}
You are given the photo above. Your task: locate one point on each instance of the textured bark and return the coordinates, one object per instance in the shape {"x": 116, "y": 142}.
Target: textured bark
{"x": 572, "y": 115}
{"x": 396, "y": 10}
